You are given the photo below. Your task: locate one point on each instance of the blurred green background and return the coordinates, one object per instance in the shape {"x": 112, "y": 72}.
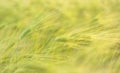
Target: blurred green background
{"x": 59, "y": 36}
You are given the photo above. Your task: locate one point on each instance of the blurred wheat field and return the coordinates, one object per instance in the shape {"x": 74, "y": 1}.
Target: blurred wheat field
{"x": 59, "y": 36}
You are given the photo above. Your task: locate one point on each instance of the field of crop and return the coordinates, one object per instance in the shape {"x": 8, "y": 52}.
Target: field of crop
{"x": 59, "y": 36}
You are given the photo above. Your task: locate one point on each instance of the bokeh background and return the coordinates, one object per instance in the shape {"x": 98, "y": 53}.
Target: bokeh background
{"x": 59, "y": 36}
